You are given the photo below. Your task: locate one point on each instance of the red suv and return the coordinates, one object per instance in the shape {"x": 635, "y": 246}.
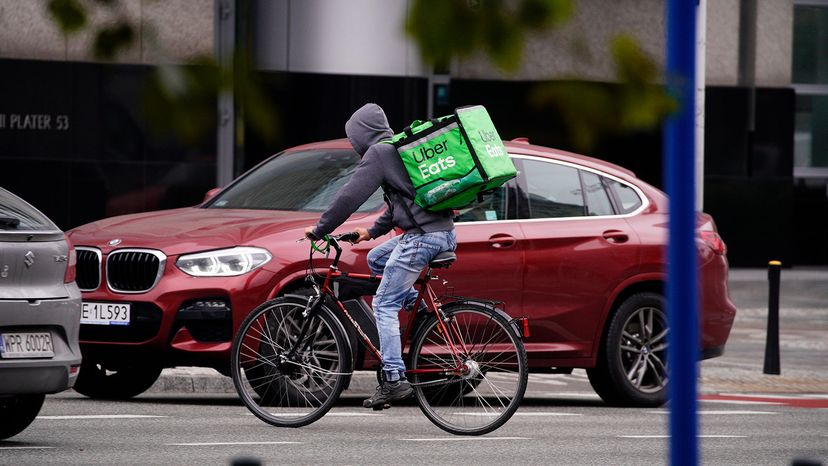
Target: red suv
{"x": 574, "y": 243}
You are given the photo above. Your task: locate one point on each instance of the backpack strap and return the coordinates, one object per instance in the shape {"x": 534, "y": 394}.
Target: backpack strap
{"x": 387, "y": 192}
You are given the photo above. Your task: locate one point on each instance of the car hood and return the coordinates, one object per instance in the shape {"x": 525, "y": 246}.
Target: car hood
{"x": 180, "y": 231}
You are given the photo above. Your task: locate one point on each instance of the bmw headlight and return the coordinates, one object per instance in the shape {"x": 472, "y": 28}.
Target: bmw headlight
{"x": 223, "y": 262}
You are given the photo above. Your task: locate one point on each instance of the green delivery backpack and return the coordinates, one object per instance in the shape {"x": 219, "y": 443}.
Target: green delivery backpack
{"x": 453, "y": 159}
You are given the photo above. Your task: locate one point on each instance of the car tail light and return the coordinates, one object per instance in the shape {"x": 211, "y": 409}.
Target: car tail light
{"x": 714, "y": 241}
{"x": 72, "y": 266}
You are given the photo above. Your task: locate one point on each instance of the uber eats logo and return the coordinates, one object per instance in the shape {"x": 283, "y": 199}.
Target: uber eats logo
{"x": 490, "y": 136}
{"x": 425, "y": 158}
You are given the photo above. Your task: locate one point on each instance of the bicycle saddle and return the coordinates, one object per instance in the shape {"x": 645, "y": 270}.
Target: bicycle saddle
{"x": 442, "y": 260}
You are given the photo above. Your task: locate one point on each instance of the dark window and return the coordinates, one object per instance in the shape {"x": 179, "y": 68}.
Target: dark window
{"x": 553, "y": 190}
{"x": 598, "y": 202}
{"x": 492, "y": 208}
{"x": 296, "y": 181}
{"x": 18, "y": 215}
{"x": 628, "y": 199}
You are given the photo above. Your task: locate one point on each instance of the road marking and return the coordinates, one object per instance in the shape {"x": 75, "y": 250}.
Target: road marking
{"x": 102, "y": 416}
{"x": 518, "y": 414}
{"x": 578, "y": 394}
{"x": 461, "y": 439}
{"x": 667, "y": 436}
{"x": 219, "y": 444}
{"x": 796, "y": 396}
{"x": 549, "y": 382}
{"x": 326, "y": 415}
{"x": 26, "y": 448}
{"x": 742, "y": 402}
{"x": 720, "y": 412}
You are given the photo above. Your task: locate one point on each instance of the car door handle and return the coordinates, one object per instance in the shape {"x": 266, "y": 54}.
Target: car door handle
{"x": 616, "y": 236}
{"x": 502, "y": 241}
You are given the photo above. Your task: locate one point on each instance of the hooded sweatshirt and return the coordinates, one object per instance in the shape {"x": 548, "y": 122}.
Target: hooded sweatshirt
{"x": 380, "y": 165}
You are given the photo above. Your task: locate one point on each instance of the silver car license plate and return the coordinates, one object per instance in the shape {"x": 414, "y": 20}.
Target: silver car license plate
{"x": 26, "y": 345}
{"x": 105, "y": 313}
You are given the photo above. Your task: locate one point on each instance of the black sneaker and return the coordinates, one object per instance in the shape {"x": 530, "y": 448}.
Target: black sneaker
{"x": 388, "y": 392}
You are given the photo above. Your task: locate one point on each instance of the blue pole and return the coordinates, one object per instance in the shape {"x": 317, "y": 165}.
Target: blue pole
{"x": 682, "y": 287}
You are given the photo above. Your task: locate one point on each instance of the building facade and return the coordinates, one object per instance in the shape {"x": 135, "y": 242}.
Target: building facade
{"x": 79, "y": 127}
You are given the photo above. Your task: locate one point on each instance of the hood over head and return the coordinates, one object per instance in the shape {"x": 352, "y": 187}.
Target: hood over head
{"x": 366, "y": 127}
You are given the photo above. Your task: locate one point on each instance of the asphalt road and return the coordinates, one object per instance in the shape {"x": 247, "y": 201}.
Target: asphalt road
{"x": 570, "y": 428}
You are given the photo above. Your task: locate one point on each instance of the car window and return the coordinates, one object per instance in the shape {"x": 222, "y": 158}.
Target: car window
{"x": 492, "y": 208}
{"x": 628, "y": 200}
{"x": 553, "y": 190}
{"x": 598, "y": 202}
{"x": 297, "y": 181}
{"x": 17, "y": 215}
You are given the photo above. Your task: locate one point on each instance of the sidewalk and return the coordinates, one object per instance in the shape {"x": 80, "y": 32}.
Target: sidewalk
{"x": 803, "y": 346}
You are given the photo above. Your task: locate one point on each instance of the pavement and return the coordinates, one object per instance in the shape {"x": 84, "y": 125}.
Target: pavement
{"x": 803, "y": 347}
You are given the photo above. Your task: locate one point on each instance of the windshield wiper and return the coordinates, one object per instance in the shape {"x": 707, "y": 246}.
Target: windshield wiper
{"x": 9, "y": 222}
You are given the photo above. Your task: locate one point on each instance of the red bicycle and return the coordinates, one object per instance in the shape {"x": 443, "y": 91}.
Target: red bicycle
{"x": 292, "y": 356}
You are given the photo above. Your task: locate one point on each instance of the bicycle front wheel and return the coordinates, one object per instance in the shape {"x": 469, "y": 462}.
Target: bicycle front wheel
{"x": 288, "y": 388}
{"x": 476, "y": 387}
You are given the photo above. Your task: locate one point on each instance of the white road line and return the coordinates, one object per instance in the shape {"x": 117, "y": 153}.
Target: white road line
{"x": 461, "y": 439}
{"x": 326, "y": 415}
{"x": 742, "y": 402}
{"x": 727, "y": 412}
{"x": 102, "y": 416}
{"x": 549, "y": 382}
{"x": 220, "y": 444}
{"x": 667, "y": 436}
{"x": 518, "y": 414}
{"x": 797, "y": 396}
{"x": 26, "y": 448}
{"x": 577, "y": 394}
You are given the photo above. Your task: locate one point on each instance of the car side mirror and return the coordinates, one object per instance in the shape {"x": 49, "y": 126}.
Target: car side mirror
{"x": 210, "y": 194}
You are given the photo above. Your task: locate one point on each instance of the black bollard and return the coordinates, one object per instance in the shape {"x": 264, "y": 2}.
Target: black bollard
{"x": 772, "y": 341}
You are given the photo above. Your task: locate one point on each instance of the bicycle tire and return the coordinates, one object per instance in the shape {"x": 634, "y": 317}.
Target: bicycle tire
{"x": 459, "y": 404}
{"x": 290, "y": 393}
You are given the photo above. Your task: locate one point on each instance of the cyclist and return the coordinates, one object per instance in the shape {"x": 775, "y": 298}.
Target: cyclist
{"x": 401, "y": 259}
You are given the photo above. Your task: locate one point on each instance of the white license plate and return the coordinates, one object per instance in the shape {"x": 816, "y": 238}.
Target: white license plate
{"x": 104, "y": 313}
{"x": 26, "y": 345}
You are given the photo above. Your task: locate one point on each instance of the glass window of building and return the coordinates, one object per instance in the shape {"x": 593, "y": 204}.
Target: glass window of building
{"x": 810, "y": 79}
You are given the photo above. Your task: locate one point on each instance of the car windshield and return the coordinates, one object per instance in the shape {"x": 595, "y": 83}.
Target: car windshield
{"x": 17, "y": 215}
{"x": 298, "y": 181}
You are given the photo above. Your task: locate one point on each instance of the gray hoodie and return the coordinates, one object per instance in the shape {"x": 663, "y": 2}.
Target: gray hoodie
{"x": 381, "y": 164}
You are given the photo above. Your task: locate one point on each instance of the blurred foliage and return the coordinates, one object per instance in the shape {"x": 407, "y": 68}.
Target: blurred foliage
{"x": 445, "y": 29}
{"x": 183, "y": 99}
{"x": 450, "y": 29}
{"x": 180, "y": 99}
{"x": 591, "y": 110}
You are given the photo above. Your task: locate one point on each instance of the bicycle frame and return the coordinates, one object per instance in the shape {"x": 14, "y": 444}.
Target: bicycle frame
{"x": 425, "y": 294}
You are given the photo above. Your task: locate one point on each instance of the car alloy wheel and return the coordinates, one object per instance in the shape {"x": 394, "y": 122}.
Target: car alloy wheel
{"x": 643, "y": 349}
{"x": 631, "y": 367}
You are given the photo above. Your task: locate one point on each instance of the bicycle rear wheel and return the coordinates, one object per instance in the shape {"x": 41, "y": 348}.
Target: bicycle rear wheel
{"x": 287, "y": 390}
{"x": 489, "y": 389}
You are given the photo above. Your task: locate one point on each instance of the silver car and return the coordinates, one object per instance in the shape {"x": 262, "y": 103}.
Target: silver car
{"x": 40, "y": 307}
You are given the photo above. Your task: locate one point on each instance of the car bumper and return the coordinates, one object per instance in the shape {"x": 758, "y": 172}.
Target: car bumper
{"x": 717, "y": 310}
{"x": 165, "y": 323}
{"x": 61, "y": 318}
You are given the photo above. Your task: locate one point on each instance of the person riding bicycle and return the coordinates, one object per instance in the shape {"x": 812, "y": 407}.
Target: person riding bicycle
{"x": 402, "y": 258}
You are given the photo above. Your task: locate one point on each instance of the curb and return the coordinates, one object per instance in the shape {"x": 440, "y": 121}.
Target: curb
{"x": 202, "y": 380}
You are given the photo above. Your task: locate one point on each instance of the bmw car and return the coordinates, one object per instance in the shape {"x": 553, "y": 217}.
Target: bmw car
{"x": 575, "y": 244}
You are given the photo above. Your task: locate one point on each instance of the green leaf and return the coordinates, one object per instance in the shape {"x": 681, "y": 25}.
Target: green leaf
{"x": 111, "y": 40}
{"x": 68, "y": 14}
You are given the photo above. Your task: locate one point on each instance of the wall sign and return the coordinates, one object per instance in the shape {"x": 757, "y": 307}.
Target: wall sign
{"x": 34, "y": 122}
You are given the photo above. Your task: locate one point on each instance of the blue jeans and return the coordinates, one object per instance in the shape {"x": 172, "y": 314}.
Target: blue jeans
{"x": 400, "y": 260}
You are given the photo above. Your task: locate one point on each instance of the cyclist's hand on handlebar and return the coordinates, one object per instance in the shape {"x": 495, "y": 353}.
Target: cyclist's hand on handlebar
{"x": 309, "y": 233}
{"x": 363, "y": 235}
